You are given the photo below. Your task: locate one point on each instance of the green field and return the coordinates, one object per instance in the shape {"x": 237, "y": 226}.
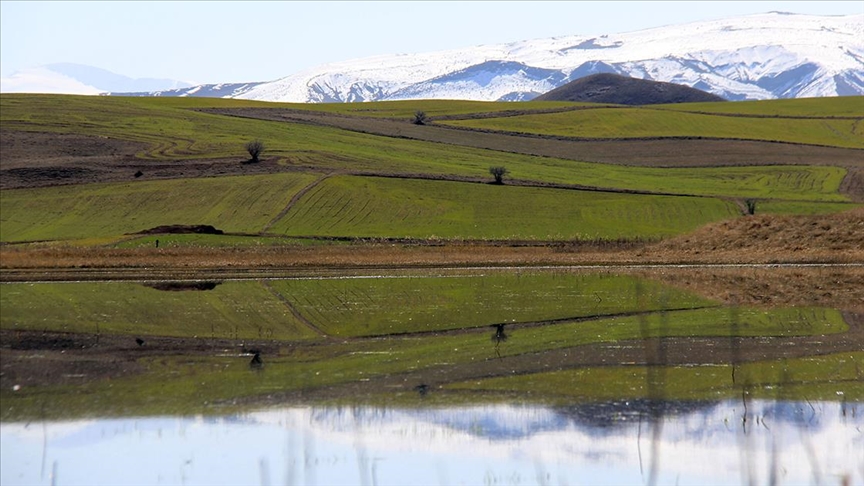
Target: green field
{"x": 352, "y": 206}
{"x": 231, "y": 310}
{"x": 839, "y": 106}
{"x": 651, "y": 122}
{"x": 300, "y": 309}
{"x": 380, "y": 207}
{"x": 290, "y": 309}
{"x": 383, "y": 306}
{"x": 451, "y": 311}
{"x": 234, "y": 204}
{"x": 813, "y": 377}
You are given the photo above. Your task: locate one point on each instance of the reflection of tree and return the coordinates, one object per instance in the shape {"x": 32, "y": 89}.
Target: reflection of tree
{"x": 499, "y": 337}
{"x": 256, "y": 363}
{"x": 655, "y": 352}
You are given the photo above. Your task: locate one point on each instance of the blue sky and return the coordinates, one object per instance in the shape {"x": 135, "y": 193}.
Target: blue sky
{"x": 225, "y": 41}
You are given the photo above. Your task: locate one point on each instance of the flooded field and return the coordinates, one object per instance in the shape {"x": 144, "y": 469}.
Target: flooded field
{"x": 494, "y": 376}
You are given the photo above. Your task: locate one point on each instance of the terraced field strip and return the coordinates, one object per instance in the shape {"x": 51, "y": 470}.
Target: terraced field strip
{"x": 827, "y": 107}
{"x": 295, "y": 309}
{"x": 818, "y": 377}
{"x": 242, "y": 204}
{"x": 401, "y": 305}
{"x": 231, "y": 310}
{"x": 350, "y": 206}
{"x": 616, "y": 123}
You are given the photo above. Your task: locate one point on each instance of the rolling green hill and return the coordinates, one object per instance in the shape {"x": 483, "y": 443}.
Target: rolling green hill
{"x": 564, "y": 202}
{"x": 646, "y": 122}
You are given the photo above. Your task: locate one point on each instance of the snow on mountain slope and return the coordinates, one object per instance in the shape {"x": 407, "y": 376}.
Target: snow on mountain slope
{"x": 773, "y": 55}
{"x": 222, "y": 90}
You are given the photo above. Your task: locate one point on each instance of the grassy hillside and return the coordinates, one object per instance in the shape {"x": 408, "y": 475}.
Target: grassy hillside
{"x": 834, "y": 107}
{"x": 233, "y": 204}
{"x": 238, "y": 310}
{"x": 175, "y": 134}
{"x": 299, "y": 309}
{"x": 379, "y": 207}
{"x": 649, "y": 122}
{"x": 349, "y": 206}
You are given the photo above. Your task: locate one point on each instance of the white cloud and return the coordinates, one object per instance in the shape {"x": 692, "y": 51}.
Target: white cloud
{"x": 42, "y": 80}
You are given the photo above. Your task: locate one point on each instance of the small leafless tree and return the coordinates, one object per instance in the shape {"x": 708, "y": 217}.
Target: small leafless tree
{"x": 255, "y": 147}
{"x": 420, "y": 118}
{"x": 498, "y": 173}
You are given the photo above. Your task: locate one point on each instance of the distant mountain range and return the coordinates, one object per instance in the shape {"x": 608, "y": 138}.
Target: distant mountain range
{"x": 69, "y": 78}
{"x": 765, "y": 56}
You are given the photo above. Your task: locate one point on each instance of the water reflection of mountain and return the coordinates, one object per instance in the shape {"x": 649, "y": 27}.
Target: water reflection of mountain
{"x": 598, "y": 419}
{"x": 601, "y": 417}
{"x": 491, "y": 422}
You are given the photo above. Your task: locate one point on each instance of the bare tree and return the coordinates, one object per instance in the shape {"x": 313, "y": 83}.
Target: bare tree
{"x": 498, "y": 173}
{"x": 255, "y": 147}
{"x": 420, "y": 118}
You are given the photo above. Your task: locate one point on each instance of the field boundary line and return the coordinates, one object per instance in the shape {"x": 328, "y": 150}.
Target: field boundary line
{"x": 297, "y": 315}
{"x": 293, "y": 202}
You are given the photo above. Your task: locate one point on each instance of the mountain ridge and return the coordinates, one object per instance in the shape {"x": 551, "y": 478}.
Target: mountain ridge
{"x": 762, "y": 56}
{"x": 71, "y": 78}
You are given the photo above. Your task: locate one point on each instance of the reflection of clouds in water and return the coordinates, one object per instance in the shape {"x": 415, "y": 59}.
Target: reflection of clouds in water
{"x": 55, "y": 430}
{"x": 700, "y": 442}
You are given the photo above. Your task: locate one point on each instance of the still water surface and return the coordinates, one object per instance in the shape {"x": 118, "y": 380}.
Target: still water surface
{"x": 608, "y": 443}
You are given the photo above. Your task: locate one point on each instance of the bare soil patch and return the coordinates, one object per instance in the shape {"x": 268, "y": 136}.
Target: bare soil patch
{"x": 182, "y": 286}
{"x": 838, "y": 288}
{"x": 178, "y": 229}
{"x": 39, "y": 159}
{"x": 771, "y": 237}
{"x": 36, "y": 358}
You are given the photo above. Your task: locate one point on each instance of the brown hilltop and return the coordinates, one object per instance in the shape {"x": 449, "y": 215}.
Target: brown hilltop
{"x": 623, "y": 90}
{"x": 771, "y": 238}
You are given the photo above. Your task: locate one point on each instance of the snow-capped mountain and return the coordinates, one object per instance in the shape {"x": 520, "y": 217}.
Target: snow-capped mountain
{"x": 221, "y": 90}
{"x": 69, "y": 78}
{"x": 765, "y": 56}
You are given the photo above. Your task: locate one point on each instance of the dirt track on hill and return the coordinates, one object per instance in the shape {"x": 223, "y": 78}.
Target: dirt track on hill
{"x": 39, "y": 159}
{"x": 663, "y": 152}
